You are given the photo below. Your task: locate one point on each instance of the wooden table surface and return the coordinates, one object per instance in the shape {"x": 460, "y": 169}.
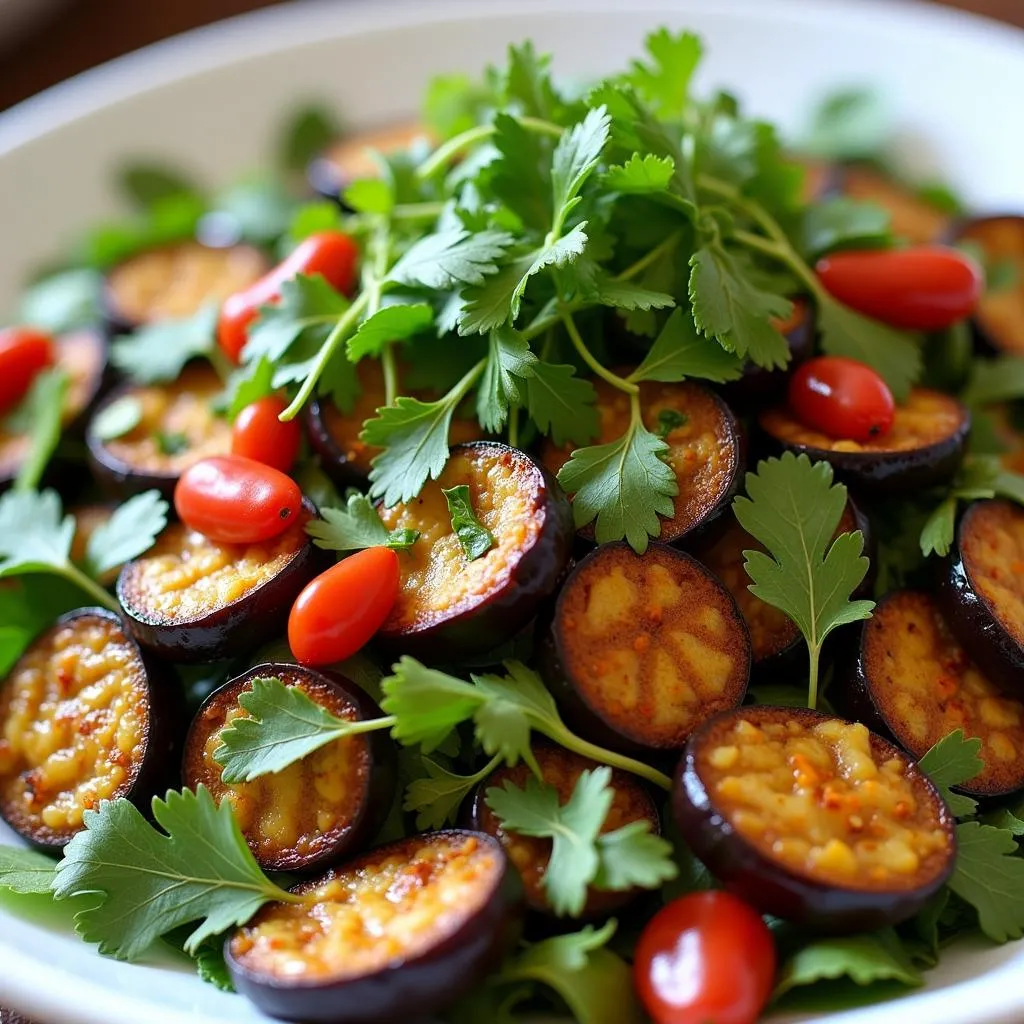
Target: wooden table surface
{"x": 88, "y": 32}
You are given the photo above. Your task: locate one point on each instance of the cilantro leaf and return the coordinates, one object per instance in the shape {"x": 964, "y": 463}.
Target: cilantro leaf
{"x": 521, "y": 176}
{"x": 624, "y": 485}
{"x": 248, "y": 384}
{"x": 308, "y": 131}
{"x": 990, "y": 877}
{"x": 864, "y": 959}
{"x": 527, "y": 83}
{"x": 285, "y": 725}
{"x": 594, "y": 982}
{"x": 158, "y": 351}
{"x": 128, "y": 533}
{"x": 894, "y": 354}
{"x": 451, "y": 258}
{"x": 200, "y": 867}
{"x": 121, "y": 417}
{"x": 144, "y": 184}
{"x": 509, "y": 364}
{"x": 680, "y": 352}
{"x": 34, "y": 533}
{"x": 370, "y": 195}
{"x": 995, "y": 380}
{"x": 355, "y": 527}
{"x": 640, "y": 174}
{"x": 633, "y": 856}
{"x": 575, "y": 158}
{"x": 664, "y": 80}
{"x": 793, "y": 509}
{"x": 852, "y": 124}
{"x": 730, "y": 306}
{"x": 573, "y": 829}
{"x": 843, "y": 223}
{"x": 207, "y": 957}
{"x": 630, "y": 296}
{"x": 64, "y": 302}
{"x": 392, "y": 323}
{"x": 562, "y": 404}
{"x": 437, "y": 798}
{"x": 951, "y": 761}
{"x": 43, "y": 408}
{"x": 25, "y": 871}
{"x": 490, "y": 305}
{"x": 938, "y": 529}
{"x": 475, "y": 539}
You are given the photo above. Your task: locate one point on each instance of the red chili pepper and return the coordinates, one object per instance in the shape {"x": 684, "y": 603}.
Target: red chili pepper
{"x": 24, "y": 354}
{"x": 329, "y": 253}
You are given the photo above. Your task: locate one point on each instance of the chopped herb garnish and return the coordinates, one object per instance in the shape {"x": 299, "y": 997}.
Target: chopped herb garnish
{"x": 475, "y": 538}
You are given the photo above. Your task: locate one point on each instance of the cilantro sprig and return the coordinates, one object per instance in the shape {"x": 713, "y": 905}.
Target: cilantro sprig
{"x": 355, "y": 527}
{"x": 793, "y": 509}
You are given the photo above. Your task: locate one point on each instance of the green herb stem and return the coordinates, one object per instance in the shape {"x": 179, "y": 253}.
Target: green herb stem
{"x": 661, "y": 249}
{"x": 814, "y": 654}
{"x": 417, "y": 211}
{"x": 220, "y": 362}
{"x": 373, "y": 283}
{"x": 513, "y": 427}
{"x": 446, "y": 152}
{"x": 348, "y": 320}
{"x": 84, "y": 582}
{"x": 587, "y": 356}
{"x": 783, "y": 252}
{"x": 572, "y": 742}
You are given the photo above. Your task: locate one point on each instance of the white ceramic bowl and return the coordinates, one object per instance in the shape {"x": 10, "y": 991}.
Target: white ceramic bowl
{"x": 211, "y": 100}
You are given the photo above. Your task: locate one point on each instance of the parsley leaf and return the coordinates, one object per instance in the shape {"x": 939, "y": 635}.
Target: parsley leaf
{"x": 200, "y": 867}
{"x": 954, "y": 759}
{"x": 730, "y": 306}
{"x": 121, "y": 417}
{"x": 594, "y": 982}
{"x": 562, "y": 404}
{"x": 990, "y": 877}
{"x": 680, "y": 352}
{"x": 392, "y": 323}
{"x": 248, "y": 384}
{"x": 664, "y": 81}
{"x": 995, "y": 380}
{"x": 841, "y": 222}
{"x": 938, "y": 529}
{"x": 509, "y": 364}
{"x": 64, "y": 302}
{"x": 630, "y": 296}
{"x": 147, "y": 183}
{"x": 575, "y": 158}
{"x": 355, "y": 527}
{"x": 451, "y": 258}
{"x": 285, "y": 725}
{"x": 158, "y": 351}
{"x": 309, "y": 130}
{"x": 624, "y": 485}
{"x": 474, "y": 537}
{"x": 640, "y": 174}
{"x": 25, "y": 871}
{"x": 793, "y": 509}
{"x": 43, "y": 408}
{"x": 852, "y": 124}
{"x": 128, "y": 533}
{"x": 437, "y": 798}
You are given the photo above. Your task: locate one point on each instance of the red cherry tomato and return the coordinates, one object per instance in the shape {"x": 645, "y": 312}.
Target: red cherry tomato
{"x": 329, "y": 253}
{"x": 259, "y": 434}
{"x": 925, "y": 288}
{"x": 705, "y": 957}
{"x": 24, "y": 354}
{"x": 842, "y": 398}
{"x": 233, "y": 500}
{"x": 338, "y": 613}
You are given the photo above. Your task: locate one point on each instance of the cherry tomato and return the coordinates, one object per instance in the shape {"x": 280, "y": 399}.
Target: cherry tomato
{"x": 259, "y": 434}
{"x": 339, "y": 611}
{"x": 24, "y": 354}
{"x": 234, "y": 500}
{"x": 925, "y": 288}
{"x": 705, "y": 957}
{"x": 330, "y": 253}
{"x": 842, "y": 398}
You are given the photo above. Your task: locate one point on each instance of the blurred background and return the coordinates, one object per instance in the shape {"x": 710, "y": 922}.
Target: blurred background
{"x": 45, "y": 41}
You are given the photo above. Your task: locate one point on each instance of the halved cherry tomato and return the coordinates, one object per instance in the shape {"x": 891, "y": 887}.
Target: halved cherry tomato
{"x": 330, "y": 253}
{"x": 259, "y": 434}
{"x": 925, "y": 288}
{"x": 24, "y": 354}
{"x": 234, "y": 500}
{"x": 842, "y": 398}
{"x": 339, "y": 611}
{"x": 705, "y": 957}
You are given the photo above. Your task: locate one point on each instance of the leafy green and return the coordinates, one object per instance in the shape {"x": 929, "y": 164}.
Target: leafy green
{"x": 510, "y": 363}
{"x": 118, "y": 418}
{"x": 41, "y": 412}
{"x": 158, "y": 351}
{"x": 989, "y": 875}
{"x": 995, "y": 380}
{"x": 198, "y": 868}
{"x": 843, "y": 223}
{"x": 436, "y": 799}
{"x": 128, "y": 533}
{"x": 680, "y": 352}
{"x": 851, "y": 124}
{"x": 355, "y": 527}
{"x": 641, "y": 174}
{"x": 144, "y": 184}
{"x": 64, "y": 302}
{"x": 664, "y": 80}
{"x": 562, "y": 404}
{"x": 25, "y": 871}
{"x": 392, "y": 323}
{"x": 284, "y": 725}
{"x": 451, "y": 258}
{"x": 307, "y": 133}
{"x": 476, "y": 540}
{"x": 950, "y": 762}
{"x": 794, "y": 509}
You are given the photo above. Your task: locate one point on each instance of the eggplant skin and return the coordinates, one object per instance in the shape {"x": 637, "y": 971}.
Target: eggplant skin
{"x": 770, "y": 886}
{"x": 500, "y": 615}
{"x": 382, "y": 754}
{"x": 157, "y": 771}
{"x": 410, "y": 989}
{"x": 333, "y": 460}
{"x": 974, "y": 624}
{"x": 232, "y": 629}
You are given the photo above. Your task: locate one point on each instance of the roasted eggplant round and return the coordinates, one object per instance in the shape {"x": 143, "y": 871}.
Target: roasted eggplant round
{"x": 189, "y": 599}
{"x": 643, "y": 648}
{"x": 451, "y": 607}
{"x": 705, "y": 449}
{"x": 813, "y": 819}
{"x": 999, "y": 319}
{"x": 177, "y": 281}
{"x": 983, "y": 592}
{"x": 334, "y": 434}
{"x": 911, "y": 216}
{"x": 774, "y": 637}
{"x": 403, "y": 931}
{"x": 85, "y": 716}
{"x": 914, "y": 682}
{"x": 328, "y": 805}
{"x": 924, "y": 447}
{"x": 176, "y": 427}
{"x": 561, "y": 770}
{"x": 82, "y": 355}
{"x": 759, "y": 385}
{"x": 353, "y": 156}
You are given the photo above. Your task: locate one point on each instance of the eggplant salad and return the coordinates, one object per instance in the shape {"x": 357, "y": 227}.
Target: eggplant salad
{"x": 560, "y": 556}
